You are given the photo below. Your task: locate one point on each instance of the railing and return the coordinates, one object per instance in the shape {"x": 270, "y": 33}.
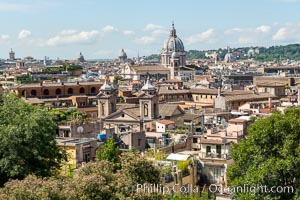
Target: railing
{"x": 213, "y": 155}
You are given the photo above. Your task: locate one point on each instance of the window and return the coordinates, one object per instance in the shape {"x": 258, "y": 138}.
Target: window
{"x": 216, "y": 174}
{"x": 70, "y": 91}
{"x": 58, "y": 91}
{"x": 146, "y": 110}
{"x": 46, "y": 92}
{"x": 86, "y": 154}
{"x": 93, "y": 90}
{"x": 195, "y": 140}
{"x": 94, "y": 115}
{"x": 208, "y": 150}
{"x": 81, "y": 90}
{"x": 218, "y": 150}
{"x": 33, "y": 92}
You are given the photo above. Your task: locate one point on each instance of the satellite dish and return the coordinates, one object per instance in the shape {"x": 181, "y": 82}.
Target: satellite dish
{"x": 79, "y": 129}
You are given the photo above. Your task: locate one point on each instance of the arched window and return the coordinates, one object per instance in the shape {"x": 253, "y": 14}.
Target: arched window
{"x": 112, "y": 107}
{"x": 154, "y": 109}
{"x": 81, "y": 90}
{"x": 93, "y": 90}
{"x": 102, "y": 108}
{"x": 23, "y": 93}
{"x": 70, "y": 91}
{"x": 146, "y": 110}
{"x": 46, "y": 92}
{"x": 33, "y": 92}
{"x": 58, "y": 91}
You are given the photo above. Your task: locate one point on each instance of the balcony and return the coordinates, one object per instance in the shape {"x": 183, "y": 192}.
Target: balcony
{"x": 210, "y": 155}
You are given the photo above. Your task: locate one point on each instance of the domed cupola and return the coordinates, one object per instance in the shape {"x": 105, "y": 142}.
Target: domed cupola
{"x": 173, "y": 43}
{"x": 173, "y": 50}
{"x": 148, "y": 88}
{"x": 122, "y": 56}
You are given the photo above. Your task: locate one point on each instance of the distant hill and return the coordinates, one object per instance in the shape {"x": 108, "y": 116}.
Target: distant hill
{"x": 283, "y": 52}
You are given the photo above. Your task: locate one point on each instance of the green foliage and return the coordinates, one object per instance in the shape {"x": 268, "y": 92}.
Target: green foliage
{"x": 117, "y": 79}
{"x": 61, "y": 68}
{"x": 97, "y": 180}
{"x": 269, "y": 156}
{"x": 59, "y": 115}
{"x": 194, "y": 54}
{"x": 183, "y": 164}
{"x": 291, "y": 51}
{"x": 160, "y": 155}
{"x": 152, "y": 57}
{"x": 179, "y": 130}
{"x": 27, "y": 138}
{"x": 109, "y": 151}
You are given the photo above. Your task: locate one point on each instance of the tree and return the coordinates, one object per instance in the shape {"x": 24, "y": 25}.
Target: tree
{"x": 96, "y": 180}
{"x": 270, "y": 156}
{"x": 109, "y": 151}
{"x": 27, "y": 138}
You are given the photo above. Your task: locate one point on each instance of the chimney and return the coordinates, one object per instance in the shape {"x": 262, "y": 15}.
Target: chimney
{"x": 41, "y": 83}
{"x": 77, "y": 82}
{"x": 219, "y": 91}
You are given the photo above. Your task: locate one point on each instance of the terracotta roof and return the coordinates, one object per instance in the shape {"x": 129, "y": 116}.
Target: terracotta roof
{"x": 237, "y": 120}
{"x": 272, "y": 84}
{"x": 54, "y": 84}
{"x": 249, "y": 97}
{"x": 150, "y": 68}
{"x": 168, "y": 109}
{"x": 165, "y": 121}
{"x": 215, "y": 91}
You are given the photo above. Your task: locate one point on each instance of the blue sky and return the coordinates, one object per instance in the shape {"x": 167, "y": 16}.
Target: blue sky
{"x": 100, "y": 29}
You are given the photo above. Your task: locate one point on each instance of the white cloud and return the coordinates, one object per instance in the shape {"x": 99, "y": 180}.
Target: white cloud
{"x": 4, "y": 37}
{"x": 145, "y": 40}
{"x": 84, "y": 37}
{"x": 109, "y": 28}
{"x": 263, "y": 28}
{"x": 288, "y": 33}
{"x": 128, "y": 32}
{"x": 24, "y": 34}
{"x": 249, "y": 36}
{"x": 152, "y": 27}
{"x": 209, "y": 36}
{"x": 156, "y": 33}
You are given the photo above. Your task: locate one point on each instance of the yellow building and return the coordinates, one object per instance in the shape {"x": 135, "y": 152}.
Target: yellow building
{"x": 79, "y": 151}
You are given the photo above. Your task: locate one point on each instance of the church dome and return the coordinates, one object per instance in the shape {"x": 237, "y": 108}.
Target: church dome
{"x": 173, "y": 43}
{"x": 106, "y": 86}
{"x": 148, "y": 86}
{"x": 122, "y": 53}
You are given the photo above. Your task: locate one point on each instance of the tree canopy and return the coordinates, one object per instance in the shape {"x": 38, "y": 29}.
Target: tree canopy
{"x": 27, "y": 138}
{"x": 109, "y": 151}
{"x": 97, "y": 180}
{"x": 269, "y": 157}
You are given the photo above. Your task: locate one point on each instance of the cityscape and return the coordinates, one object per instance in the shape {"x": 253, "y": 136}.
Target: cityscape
{"x": 159, "y": 112}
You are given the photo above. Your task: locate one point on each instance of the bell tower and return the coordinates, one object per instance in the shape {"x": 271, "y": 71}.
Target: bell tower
{"x": 149, "y": 102}
{"x": 107, "y": 101}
